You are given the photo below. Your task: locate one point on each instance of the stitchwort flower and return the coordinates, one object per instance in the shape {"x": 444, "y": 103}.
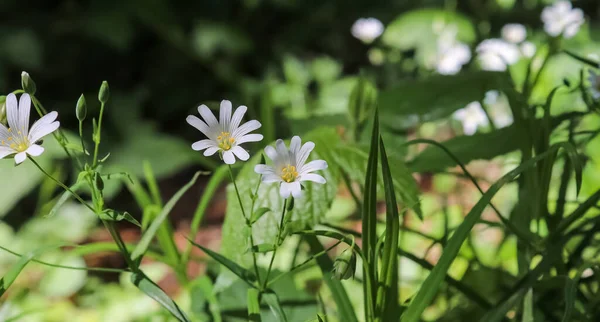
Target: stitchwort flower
{"x": 562, "y": 19}
{"x": 19, "y": 139}
{"x": 290, "y": 168}
{"x": 226, "y": 134}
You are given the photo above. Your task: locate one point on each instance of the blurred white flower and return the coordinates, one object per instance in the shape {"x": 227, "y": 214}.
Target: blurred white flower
{"x": 226, "y": 134}
{"x": 471, "y": 116}
{"x": 514, "y": 32}
{"x": 19, "y": 139}
{"x": 528, "y": 49}
{"x": 496, "y": 54}
{"x": 290, "y": 167}
{"x": 367, "y": 29}
{"x": 498, "y": 108}
{"x": 562, "y": 18}
{"x": 594, "y": 79}
{"x": 451, "y": 54}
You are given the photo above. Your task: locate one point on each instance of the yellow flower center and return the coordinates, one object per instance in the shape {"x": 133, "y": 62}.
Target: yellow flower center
{"x": 225, "y": 141}
{"x": 17, "y": 142}
{"x": 289, "y": 173}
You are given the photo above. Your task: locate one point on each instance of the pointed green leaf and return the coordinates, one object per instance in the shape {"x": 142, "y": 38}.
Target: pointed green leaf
{"x": 273, "y": 302}
{"x": 147, "y": 286}
{"x": 258, "y": 213}
{"x": 114, "y": 215}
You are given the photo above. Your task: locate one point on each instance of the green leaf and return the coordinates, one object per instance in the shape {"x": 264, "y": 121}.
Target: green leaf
{"x": 64, "y": 197}
{"x": 146, "y": 285}
{"x": 257, "y": 214}
{"x": 411, "y": 102}
{"x": 149, "y": 234}
{"x": 114, "y": 215}
{"x": 316, "y": 201}
{"x": 387, "y": 293}
{"x": 273, "y": 302}
{"x": 433, "y": 282}
{"x": 12, "y": 274}
{"x": 246, "y": 275}
{"x": 253, "y": 305}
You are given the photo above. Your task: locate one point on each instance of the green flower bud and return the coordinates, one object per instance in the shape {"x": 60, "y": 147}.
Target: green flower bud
{"x": 104, "y": 93}
{"x": 3, "y": 109}
{"x": 345, "y": 265}
{"x": 99, "y": 182}
{"x": 27, "y": 83}
{"x": 81, "y": 109}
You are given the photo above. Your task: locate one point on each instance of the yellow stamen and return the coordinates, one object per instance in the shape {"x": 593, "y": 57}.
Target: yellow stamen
{"x": 225, "y": 141}
{"x": 289, "y": 173}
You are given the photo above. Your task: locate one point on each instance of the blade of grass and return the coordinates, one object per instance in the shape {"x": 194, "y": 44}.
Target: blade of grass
{"x": 149, "y": 288}
{"x": 433, "y": 282}
{"x": 149, "y": 234}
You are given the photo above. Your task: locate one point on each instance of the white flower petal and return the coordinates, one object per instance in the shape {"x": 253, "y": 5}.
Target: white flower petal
{"x": 4, "y": 151}
{"x": 249, "y": 138}
{"x": 225, "y": 115}
{"x": 12, "y": 111}
{"x": 210, "y": 151}
{"x": 304, "y": 153}
{"x": 228, "y": 157}
{"x": 270, "y": 152}
{"x": 313, "y": 177}
{"x": 263, "y": 169}
{"x": 35, "y": 150}
{"x": 207, "y": 115}
{"x": 271, "y": 178}
{"x": 282, "y": 152}
{"x": 24, "y": 108}
{"x": 237, "y": 117}
{"x": 203, "y": 144}
{"x": 240, "y": 153}
{"x": 284, "y": 190}
{"x": 200, "y": 125}
{"x": 246, "y": 128}
{"x": 313, "y": 166}
{"x": 20, "y": 157}
{"x": 295, "y": 145}
{"x": 42, "y": 130}
{"x": 295, "y": 189}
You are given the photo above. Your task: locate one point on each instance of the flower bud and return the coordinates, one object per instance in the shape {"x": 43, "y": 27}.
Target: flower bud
{"x": 3, "y": 109}
{"x": 99, "y": 182}
{"x": 27, "y": 83}
{"x": 104, "y": 93}
{"x": 344, "y": 265}
{"x": 81, "y": 109}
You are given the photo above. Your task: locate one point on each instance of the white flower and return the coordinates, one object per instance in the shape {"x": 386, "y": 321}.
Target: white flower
{"x": 528, "y": 49}
{"x": 514, "y": 32}
{"x": 561, "y": 18}
{"x": 497, "y": 54}
{"x": 451, "y": 54}
{"x": 19, "y": 139}
{"x": 290, "y": 167}
{"x": 471, "y": 116}
{"x": 226, "y": 134}
{"x": 367, "y": 29}
{"x": 498, "y": 108}
{"x": 595, "y": 84}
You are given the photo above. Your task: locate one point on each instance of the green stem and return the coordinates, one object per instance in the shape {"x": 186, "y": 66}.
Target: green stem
{"x": 237, "y": 192}
{"x": 81, "y": 137}
{"x": 276, "y": 244}
{"x": 97, "y": 136}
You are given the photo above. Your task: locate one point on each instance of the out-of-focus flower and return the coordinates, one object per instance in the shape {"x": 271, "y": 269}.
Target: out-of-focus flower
{"x": 514, "y": 33}
{"x": 226, "y": 134}
{"x": 498, "y": 108}
{"x": 471, "y": 116}
{"x": 527, "y": 49}
{"x": 451, "y": 54}
{"x": 562, "y": 19}
{"x": 496, "y": 54}
{"x": 290, "y": 168}
{"x": 594, "y": 79}
{"x": 19, "y": 139}
{"x": 367, "y": 29}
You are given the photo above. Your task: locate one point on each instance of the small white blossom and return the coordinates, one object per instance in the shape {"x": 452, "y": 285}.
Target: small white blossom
{"x": 471, "y": 116}
{"x": 367, "y": 29}
{"x": 514, "y": 33}
{"x": 290, "y": 168}
{"x": 496, "y": 54}
{"x": 594, "y": 84}
{"x": 226, "y": 134}
{"x": 528, "y": 49}
{"x": 19, "y": 139}
{"x": 562, "y": 19}
{"x": 451, "y": 54}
